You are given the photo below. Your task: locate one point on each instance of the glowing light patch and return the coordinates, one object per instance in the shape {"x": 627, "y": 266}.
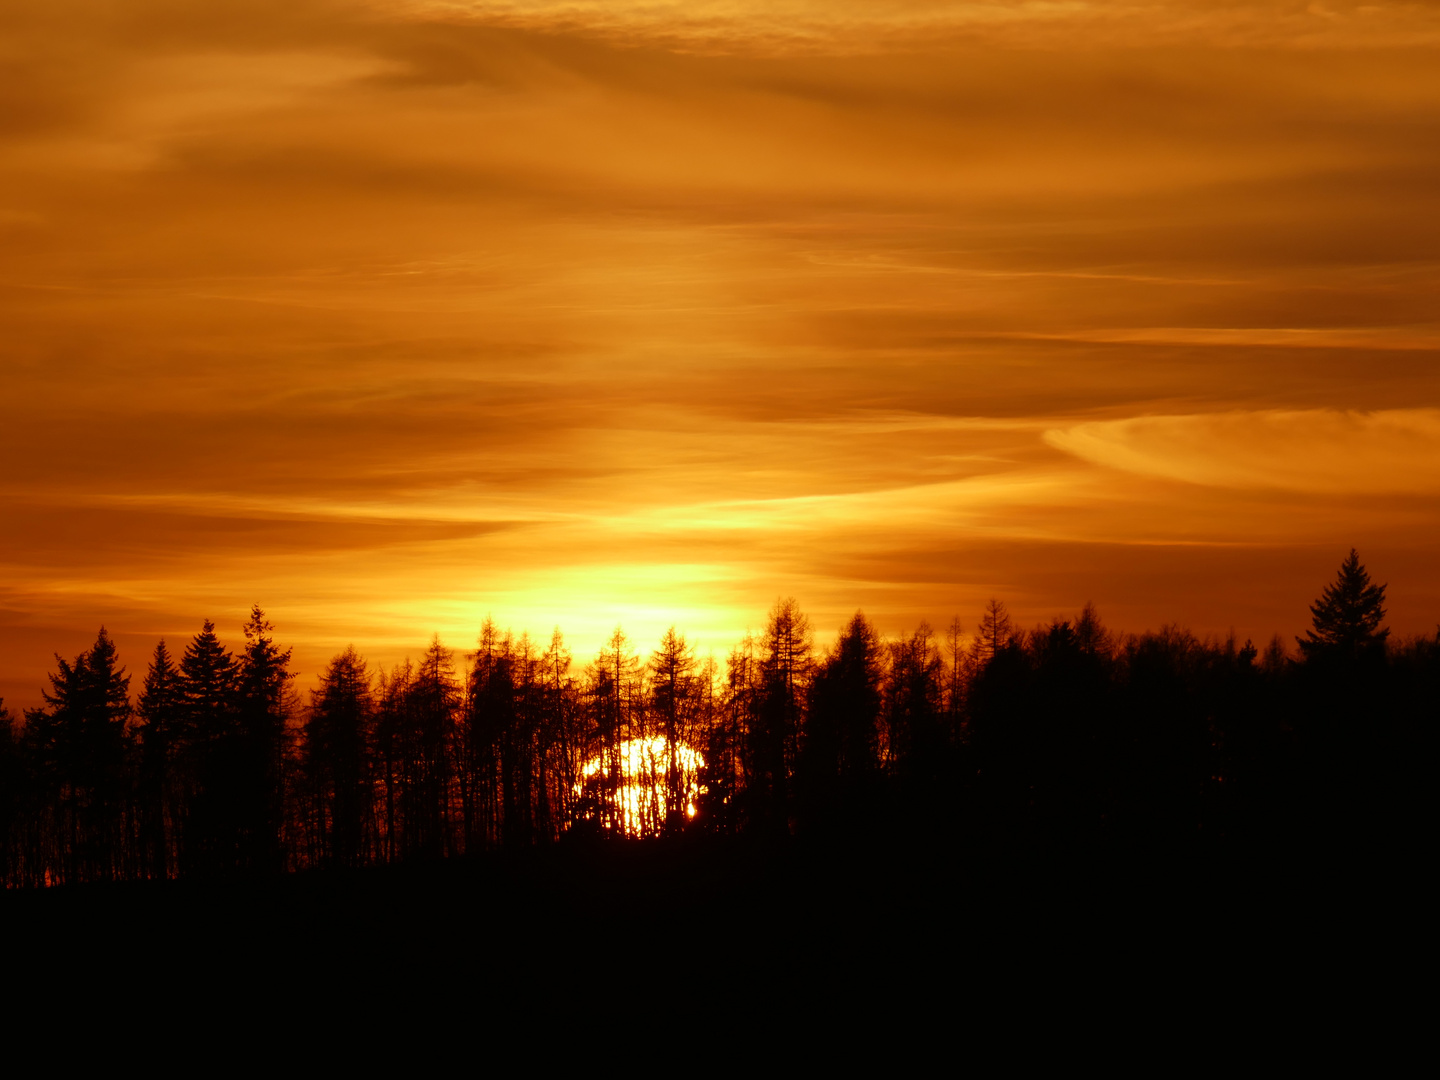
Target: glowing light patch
{"x": 635, "y": 803}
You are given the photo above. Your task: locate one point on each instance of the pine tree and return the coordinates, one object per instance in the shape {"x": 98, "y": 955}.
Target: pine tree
{"x": 206, "y": 758}
{"x": 1347, "y": 616}
{"x": 264, "y": 709}
{"x": 432, "y": 710}
{"x": 336, "y": 756}
{"x": 161, "y": 709}
{"x": 83, "y": 740}
{"x": 840, "y": 754}
{"x": 208, "y": 677}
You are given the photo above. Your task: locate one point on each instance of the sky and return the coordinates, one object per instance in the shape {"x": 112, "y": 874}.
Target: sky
{"x": 389, "y": 316}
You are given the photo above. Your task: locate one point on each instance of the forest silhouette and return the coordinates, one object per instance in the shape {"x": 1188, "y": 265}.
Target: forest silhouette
{"x": 1063, "y": 737}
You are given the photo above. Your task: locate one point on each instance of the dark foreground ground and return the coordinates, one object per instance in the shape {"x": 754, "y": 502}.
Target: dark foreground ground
{"x": 634, "y": 925}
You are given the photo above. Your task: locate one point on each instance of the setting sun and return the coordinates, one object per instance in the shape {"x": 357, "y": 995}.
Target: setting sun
{"x": 639, "y": 797}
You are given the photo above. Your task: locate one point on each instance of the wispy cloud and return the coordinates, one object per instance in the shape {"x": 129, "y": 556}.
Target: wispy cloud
{"x": 1324, "y": 451}
{"x": 846, "y": 25}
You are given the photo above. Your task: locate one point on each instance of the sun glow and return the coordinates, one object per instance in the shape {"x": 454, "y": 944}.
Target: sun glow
{"x": 625, "y": 788}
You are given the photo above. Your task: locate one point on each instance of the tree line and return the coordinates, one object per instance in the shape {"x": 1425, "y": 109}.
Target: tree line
{"x": 1065, "y": 733}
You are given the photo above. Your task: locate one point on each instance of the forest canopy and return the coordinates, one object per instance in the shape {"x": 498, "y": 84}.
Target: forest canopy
{"x": 217, "y": 765}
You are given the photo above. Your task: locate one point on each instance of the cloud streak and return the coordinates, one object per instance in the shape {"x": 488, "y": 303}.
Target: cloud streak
{"x": 1320, "y": 451}
{"x": 790, "y": 26}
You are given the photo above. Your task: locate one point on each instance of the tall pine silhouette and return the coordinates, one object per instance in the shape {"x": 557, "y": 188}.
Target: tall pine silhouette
{"x": 1347, "y": 616}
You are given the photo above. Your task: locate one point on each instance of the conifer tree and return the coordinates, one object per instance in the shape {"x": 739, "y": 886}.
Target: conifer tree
{"x": 1091, "y": 635}
{"x": 393, "y": 742}
{"x": 565, "y": 717}
{"x": 161, "y": 710}
{"x": 264, "y": 708}
{"x": 912, "y": 701}
{"x": 1347, "y": 616}
{"x": 615, "y": 694}
{"x": 208, "y": 680}
{"x": 12, "y": 790}
{"x": 840, "y": 755}
{"x": 82, "y": 737}
{"x": 206, "y": 754}
{"x": 955, "y": 677}
{"x": 786, "y": 670}
{"x": 995, "y": 631}
{"x": 672, "y": 697}
{"x": 336, "y": 756}
{"x": 432, "y": 709}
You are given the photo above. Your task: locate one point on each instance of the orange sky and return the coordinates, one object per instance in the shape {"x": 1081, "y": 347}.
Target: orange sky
{"x": 390, "y": 315}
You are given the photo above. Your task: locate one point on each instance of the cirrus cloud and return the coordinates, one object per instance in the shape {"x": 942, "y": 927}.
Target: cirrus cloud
{"x": 780, "y": 26}
{"x": 1388, "y": 451}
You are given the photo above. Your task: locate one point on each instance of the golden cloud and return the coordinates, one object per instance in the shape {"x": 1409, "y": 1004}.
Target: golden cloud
{"x": 1385, "y": 452}
{"x": 779, "y": 26}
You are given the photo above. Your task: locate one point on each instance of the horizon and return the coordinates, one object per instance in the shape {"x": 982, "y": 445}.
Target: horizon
{"x": 307, "y": 678}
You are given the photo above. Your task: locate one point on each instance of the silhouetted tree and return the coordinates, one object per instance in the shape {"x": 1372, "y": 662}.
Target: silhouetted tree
{"x": 1342, "y": 724}
{"x": 777, "y": 723}
{"x": 955, "y": 679}
{"x": 518, "y": 749}
{"x": 336, "y": 755}
{"x": 206, "y": 758}
{"x": 995, "y": 630}
{"x": 726, "y": 746}
{"x": 914, "y": 739}
{"x": 672, "y": 696}
{"x": 80, "y": 746}
{"x": 839, "y": 759}
{"x": 161, "y": 709}
{"x": 1347, "y": 617}
{"x": 431, "y": 711}
{"x": 1091, "y": 637}
{"x": 487, "y": 764}
{"x": 565, "y": 740}
{"x": 265, "y": 706}
{"x": 1066, "y": 735}
{"x": 393, "y": 740}
{"x": 616, "y": 700}
{"x": 13, "y": 792}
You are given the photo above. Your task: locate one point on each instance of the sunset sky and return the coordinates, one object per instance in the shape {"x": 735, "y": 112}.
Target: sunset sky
{"x": 390, "y": 315}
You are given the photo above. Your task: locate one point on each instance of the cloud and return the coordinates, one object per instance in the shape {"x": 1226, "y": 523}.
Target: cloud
{"x": 778, "y": 26}
{"x": 1321, "y": 451}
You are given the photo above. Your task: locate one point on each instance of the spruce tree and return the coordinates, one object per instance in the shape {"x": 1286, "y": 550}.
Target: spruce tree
{"x": 336, "y": 755}
{"x": 1347, "y": 617}
{"x": 264, "y": 708}
{"x": 208, "y": 676}
{"x": 206, "y": 752}
{"x": 162, "y": 712}
{"x": 83, "y": 740}
{"x": 840, "y": 754}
